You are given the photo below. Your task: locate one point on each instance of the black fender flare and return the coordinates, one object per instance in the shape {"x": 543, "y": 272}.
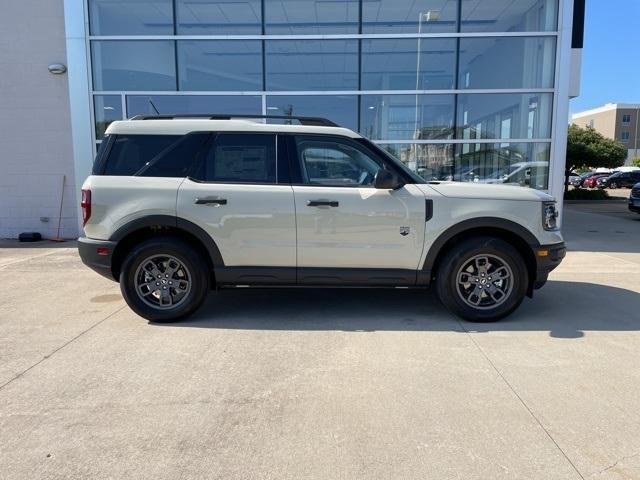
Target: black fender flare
{"x": 172, "y": 222}
{"x": 424, "y": 275}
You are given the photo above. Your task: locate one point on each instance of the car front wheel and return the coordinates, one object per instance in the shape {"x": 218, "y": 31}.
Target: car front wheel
{"x": 482, "y": 279}
{"x": 164, "y": 279}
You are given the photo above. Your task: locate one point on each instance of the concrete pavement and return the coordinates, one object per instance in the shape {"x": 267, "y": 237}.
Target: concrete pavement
{"x": 327, "y": 384}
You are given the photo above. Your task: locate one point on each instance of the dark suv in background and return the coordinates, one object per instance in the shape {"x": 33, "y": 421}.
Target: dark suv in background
{"x": 634, "y": 198}
{"x": 620, "y": 180}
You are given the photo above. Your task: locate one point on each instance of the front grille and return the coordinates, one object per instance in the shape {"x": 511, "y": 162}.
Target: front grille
{"x": 635, "y": 192}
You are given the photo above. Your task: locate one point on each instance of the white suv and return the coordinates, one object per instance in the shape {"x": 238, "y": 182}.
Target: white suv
{"x": 176, "y": 207}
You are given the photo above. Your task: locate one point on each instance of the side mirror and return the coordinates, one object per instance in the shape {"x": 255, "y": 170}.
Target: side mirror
{"x": 386, "y": 180}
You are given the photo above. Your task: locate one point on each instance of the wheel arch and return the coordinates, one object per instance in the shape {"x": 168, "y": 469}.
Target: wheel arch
{"x": 515, "y": 234}
{"x": 151, "y": 226}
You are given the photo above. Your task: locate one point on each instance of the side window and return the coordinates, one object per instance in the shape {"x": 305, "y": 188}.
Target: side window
{"x": 129, "y": 153}
{"x": 175, "y": 160}
{"x": 241, "y": 158}
{"x": 335, "y": 162}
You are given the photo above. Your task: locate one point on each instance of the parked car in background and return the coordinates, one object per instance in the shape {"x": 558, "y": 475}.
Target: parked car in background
{"x": 634, "y": 198}
{"x": 574, "y": 179}
{"x": 619, "y": 180}
{"x": 591, "y": 182}
{"x": 583, "y": 177}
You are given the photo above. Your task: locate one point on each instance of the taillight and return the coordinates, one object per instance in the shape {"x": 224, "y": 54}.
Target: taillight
{"x": 85, "y": 204}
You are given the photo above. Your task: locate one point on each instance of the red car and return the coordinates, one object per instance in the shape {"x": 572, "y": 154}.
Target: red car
{"x": 591, "y": 182}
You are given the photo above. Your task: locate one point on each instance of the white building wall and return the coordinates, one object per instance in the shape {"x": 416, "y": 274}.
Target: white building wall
{"x": 36, "y": 149}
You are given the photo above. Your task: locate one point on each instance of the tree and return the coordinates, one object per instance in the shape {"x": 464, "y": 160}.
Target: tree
{"x": 587, "y": 148}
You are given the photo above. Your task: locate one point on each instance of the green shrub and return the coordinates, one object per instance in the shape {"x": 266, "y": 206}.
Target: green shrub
{"x": 582, "y": 194}
{"x": 635, "y": 162}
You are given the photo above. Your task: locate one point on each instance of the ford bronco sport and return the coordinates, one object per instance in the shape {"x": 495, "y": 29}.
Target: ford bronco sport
{"x": 177, "y": 206}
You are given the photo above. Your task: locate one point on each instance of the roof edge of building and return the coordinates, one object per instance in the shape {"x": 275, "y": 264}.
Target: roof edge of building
{"x": 605, "y": 108}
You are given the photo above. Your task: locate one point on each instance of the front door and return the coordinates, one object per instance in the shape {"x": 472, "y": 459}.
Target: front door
{"x": 348, "y": 231}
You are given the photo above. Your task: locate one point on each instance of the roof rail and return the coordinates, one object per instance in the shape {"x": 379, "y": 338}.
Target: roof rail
{"x": 311, "y": 121}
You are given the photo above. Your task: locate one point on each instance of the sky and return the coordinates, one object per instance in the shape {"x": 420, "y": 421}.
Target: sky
{"x": 611, "y": 57}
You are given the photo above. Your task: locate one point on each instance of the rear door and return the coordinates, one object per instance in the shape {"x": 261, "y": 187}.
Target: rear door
{"x": 244, "y": 201}
{"x": 348, "y": 231}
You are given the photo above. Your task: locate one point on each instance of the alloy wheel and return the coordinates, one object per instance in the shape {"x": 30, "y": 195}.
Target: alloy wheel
{"x": 162, "y": 281}
{"x": 484, "y": 281}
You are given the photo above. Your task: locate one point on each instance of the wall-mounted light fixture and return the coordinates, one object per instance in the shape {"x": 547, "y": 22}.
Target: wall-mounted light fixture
{"x": 57, "y": 68}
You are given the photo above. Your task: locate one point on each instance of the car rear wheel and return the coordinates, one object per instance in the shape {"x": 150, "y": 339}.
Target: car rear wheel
{"x": 613, "y": 185}
{"x": 164, "y": 279}
{"x": 482, "y": 279}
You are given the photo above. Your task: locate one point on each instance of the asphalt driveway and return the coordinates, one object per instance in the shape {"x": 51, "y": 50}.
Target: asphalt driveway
{"x": 325, "y": 384}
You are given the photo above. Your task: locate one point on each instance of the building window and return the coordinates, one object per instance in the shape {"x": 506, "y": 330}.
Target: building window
{"x": 123, "y": 17}
{"x": 451, "y": 108}
{"x": 408, "y": 64}
{"x": 133, "y": 65}
{"x": 218, "y": 17}
{"x": 311, "y": 65}
{"x": 341, "y": 109}
{"x": 505, "y": 115}
{"x": 626, "y": 119}
{"x": 305, "y": 17}
{"x": 522, "y": 62}
{"x": 407, "y": 117}
{"x": 223, "y": 65}
{"x": 508, "y": 16}
{"x": 193, "y": 104}
{"x": 524, "y": 164}
{"x": 409, "y": 16}
{"x": 106, "y": 109}
{"x": 592, "y": 123}
{"x": 624, "y": 137}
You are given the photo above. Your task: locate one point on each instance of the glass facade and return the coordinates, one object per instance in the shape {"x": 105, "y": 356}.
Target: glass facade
{"x": 456, "y": 89}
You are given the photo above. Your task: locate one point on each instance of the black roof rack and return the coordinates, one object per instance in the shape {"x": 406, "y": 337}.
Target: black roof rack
{"x": 311, "y": 121}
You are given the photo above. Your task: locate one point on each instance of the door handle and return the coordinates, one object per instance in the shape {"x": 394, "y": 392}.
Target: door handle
{"x": 322, "y": 203}
{"x": 210, "y": 201}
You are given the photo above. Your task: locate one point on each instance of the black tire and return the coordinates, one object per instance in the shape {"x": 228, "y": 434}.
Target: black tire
{"x": 197, "y": 276}
{"x": 613, "y": 185}
{"x": 451, "y": 265}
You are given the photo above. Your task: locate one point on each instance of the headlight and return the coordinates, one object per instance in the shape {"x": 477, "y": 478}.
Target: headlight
{"x": 549, "y": 216}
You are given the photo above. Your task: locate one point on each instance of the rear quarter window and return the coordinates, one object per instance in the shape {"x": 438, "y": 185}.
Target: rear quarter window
{"x": 129, "y": 153}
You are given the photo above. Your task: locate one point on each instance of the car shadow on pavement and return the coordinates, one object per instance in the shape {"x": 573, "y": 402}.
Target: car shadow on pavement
{"x": 564, "y": 309}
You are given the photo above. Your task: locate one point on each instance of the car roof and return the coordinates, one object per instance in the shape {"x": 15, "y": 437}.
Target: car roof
{"x": 181, "y": 126}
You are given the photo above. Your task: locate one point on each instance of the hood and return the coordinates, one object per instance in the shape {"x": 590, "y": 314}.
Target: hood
{"x": 487, "y": 191}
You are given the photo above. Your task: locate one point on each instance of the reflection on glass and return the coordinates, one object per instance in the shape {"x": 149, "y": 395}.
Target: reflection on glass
{"x": 409, "y": 16}
{"x": 394, "y": 64}
{"x": 133, "y": 65}
{"x": 218, "y": 17}
{"x": 107, "y": 108}
{"x": 524, "y": 164}
{"x": 220, "y": 65}
{"x": 509, "y": 16}
{"x": 299, "y": 17}
{"x": 430, "y": 161}
{"x": 194, "y": 104}
{"x": 340, "y": 109}
{"x": 507, "y": 62}
{"x": 504, "y": 115}
{"x": 131, "y": 17}
{"x": 312, "y": 64}
{"x": 406, "y": 117}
